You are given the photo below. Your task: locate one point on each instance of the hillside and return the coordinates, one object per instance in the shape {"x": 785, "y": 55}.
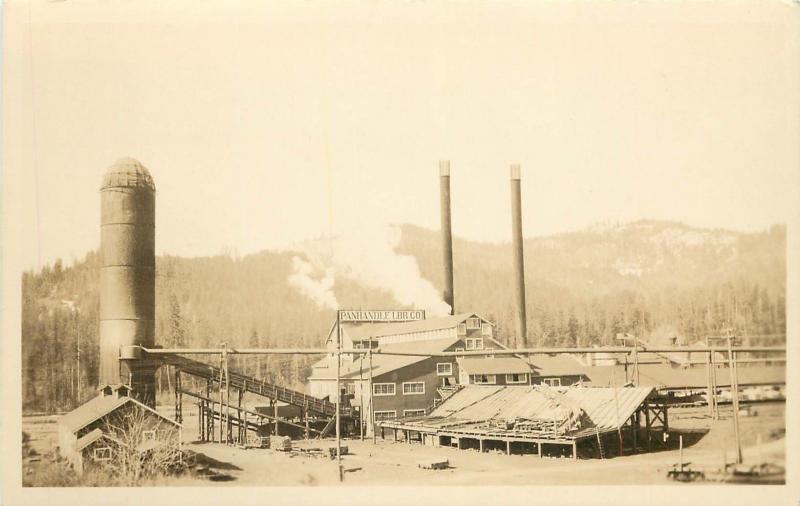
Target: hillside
{"x": 653, "y": 279}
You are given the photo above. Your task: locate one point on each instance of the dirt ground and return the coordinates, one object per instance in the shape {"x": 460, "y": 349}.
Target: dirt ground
{"x": 390, "y": 463}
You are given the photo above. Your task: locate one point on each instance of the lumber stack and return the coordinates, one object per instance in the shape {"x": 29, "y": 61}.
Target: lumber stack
{"x": 280, "y": 443}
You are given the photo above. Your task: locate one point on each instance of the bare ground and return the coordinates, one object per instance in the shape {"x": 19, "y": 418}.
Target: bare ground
{"x": 389, "y": 463}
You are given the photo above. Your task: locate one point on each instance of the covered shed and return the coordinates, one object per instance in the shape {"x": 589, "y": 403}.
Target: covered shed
{"x": 540, "y": 419}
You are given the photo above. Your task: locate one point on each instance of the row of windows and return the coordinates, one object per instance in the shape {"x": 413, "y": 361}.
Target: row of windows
{"x": 491, "y": 379}
{"x": 446, "y": 369}
{"x": 409, "y": 388}
{"x": 386, "y": 415}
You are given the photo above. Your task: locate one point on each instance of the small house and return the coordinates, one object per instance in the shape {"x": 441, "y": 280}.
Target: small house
{"x": 95, "y": 431}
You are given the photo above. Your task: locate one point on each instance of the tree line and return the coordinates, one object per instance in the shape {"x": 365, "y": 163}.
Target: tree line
{"x": 582, "y": 289}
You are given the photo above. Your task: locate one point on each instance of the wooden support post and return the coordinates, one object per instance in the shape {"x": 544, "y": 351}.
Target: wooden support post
{"x": 635, "y": 429}
{"x": 242, "y": 427}
{"x": 539, "y": 448}
{"x": 480, "y": 444}
{"x": 508, "y": 447}
{"x": 305, "y": 419}
{"x": 574, "y": 450}
{"x": 458, "y": 443}
{"x": 275, "y": 414}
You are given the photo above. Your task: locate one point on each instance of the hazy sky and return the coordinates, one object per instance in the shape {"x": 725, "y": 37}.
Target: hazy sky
{"x": 264, "y": 124}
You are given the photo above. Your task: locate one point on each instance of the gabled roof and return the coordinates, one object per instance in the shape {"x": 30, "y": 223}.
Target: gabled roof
{"x": 99, "y": 407}
{"x": 382, "y": 364}
{"x": 499, "y": 365}
{"x": 556, "y": 365}
{"x": 361, "y": 331}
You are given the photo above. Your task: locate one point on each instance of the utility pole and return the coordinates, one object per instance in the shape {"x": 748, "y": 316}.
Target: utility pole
{"x": 371, "y": 406}
{"x": 361, "y": 395}
{"x": 339, "y": 393}
{"x": 734, "y": 395}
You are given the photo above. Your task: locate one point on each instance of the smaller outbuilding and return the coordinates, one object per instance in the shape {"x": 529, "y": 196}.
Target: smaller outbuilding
{"x": 97, "y": 431}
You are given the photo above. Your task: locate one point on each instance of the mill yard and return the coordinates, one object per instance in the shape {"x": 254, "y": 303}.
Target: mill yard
{"x": 387, "y": 462}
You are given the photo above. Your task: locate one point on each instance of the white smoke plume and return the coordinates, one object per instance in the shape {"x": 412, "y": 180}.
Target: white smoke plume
{"x": 369, "y": 258}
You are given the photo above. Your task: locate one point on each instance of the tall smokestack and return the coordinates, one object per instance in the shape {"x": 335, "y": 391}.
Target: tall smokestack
{"x": 127, "y": 275}
{"x": 447, "y": 233}
{"x": 519, "y": 261}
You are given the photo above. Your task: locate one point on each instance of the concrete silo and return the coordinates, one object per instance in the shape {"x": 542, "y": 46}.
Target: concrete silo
{"x": 127, "y": 275}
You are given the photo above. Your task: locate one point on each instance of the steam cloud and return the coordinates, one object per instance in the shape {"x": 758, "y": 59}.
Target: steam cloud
{"x": 369, "y": 258}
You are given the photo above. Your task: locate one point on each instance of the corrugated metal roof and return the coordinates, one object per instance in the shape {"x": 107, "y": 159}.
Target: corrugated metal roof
{"x": 479, "y": 403}
{"x": 498, "y": 365}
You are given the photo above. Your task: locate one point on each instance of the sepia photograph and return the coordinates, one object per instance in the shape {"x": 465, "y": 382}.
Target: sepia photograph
{"x": 378, "y": 252}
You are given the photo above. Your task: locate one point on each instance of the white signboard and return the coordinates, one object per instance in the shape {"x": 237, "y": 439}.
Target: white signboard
{"x": 390, "y": 315}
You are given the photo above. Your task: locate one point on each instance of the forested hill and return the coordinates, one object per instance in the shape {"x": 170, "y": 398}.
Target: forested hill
{"x": 653, "y": 279}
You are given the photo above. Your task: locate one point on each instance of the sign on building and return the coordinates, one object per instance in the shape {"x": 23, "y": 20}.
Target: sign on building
{"x": 390, "y": 315}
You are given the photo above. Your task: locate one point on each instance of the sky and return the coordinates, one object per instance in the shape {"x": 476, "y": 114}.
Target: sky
{"x": 265, "y": 124}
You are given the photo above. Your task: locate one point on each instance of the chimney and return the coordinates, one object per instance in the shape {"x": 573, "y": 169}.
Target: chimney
{"x": 127, "y": 276}
{"x": 521, "y": 338}
{"x": 447, "y": 233}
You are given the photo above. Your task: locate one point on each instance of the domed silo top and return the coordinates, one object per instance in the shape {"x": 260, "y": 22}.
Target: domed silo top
{"x": 127, "y": 173}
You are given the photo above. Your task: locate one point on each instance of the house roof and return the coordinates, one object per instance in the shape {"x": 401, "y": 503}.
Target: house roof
{"x": 382, "y": 364}
{"x": 557, "y": 365}
{"x": 93, "y": 436}
{"x": 88, "y": 439}
{"x": 359, "y": 331}
{"x": 498, "y": 365}
{"x": 605, "y": 407}
{"x": 99, "y": 407}
{"x": 666, "y": 376}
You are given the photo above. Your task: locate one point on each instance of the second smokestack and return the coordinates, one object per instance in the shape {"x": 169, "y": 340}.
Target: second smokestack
{"x": 447, "y": 233}
{"x": 519, "y": 260}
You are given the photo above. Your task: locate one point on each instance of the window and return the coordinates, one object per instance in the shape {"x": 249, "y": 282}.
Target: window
{"x": 473, "y": 323}
{"x": 483, "y": 379}
{"x": 350, "y": 388}
{"x": 486, "y": 330}
{"x": 414, "y": 388}
{"x": 384, "y": 415}
{"x": 413, "y": 412}
{"x": 444, "y": 369}
{"x": 383, "y": 389}
{"x": 478, "y": 343}
{"x": 470, "y": 344}
{"x": 489, "y": 349}
{"x": 516, "y": 378}
{"x": 148, "y": 434}
{"x": 459, "y": 349}
{"x": 553, "y": 382}
{"x": 103, "y": 453}
{"x": 462, "y": 329}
